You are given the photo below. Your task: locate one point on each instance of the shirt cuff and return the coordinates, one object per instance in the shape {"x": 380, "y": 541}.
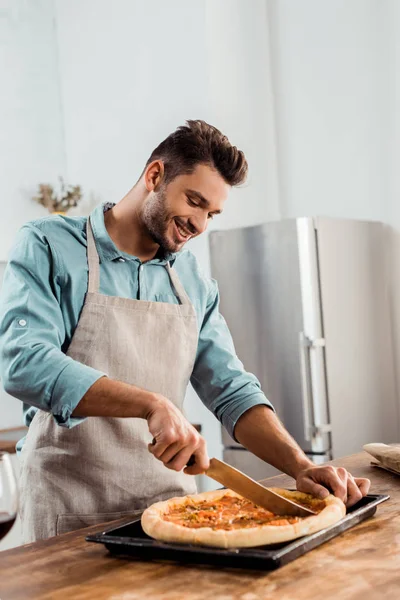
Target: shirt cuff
{"x": 230, "y": 419}
{"x": 71, "y": 385}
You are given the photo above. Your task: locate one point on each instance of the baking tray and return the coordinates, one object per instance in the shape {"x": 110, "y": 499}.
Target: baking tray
{"x": 129, "y": 540}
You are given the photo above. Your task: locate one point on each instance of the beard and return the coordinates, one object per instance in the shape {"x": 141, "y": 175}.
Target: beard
{"x": 156, "y": 219}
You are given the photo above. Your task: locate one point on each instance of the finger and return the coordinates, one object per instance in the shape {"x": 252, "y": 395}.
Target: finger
{"x": 363, "y": 485}
{"x": 308, "y": 486}
{"x": 344, "y": 475}
{"x": 189, "y": 442}
{"x": 157, "y": 448}
{"x": 162, "y": 442}
{"x": 171, "y": 452}
{"x": 353, "y": 492}
{"x": 180, "y": 460}
{"x": 334, "y": 479}
{"x": 202, "y": 461}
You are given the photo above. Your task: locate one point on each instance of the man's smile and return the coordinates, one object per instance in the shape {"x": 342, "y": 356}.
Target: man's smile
{"x": 183, "y": 234}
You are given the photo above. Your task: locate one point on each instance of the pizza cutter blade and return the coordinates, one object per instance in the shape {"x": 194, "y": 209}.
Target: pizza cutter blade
{"x": 247, "y": 487}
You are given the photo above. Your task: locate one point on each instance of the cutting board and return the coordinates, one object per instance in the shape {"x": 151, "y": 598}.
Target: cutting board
{"x": 388, "y": 457}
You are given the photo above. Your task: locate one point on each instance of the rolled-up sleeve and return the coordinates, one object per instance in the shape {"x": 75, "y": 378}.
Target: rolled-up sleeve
{"x": 33, "y": 368}
{"x": 219, "y": 377}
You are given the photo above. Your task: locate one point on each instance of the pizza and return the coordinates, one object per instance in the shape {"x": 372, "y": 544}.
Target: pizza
{"x": 225, "y": 519}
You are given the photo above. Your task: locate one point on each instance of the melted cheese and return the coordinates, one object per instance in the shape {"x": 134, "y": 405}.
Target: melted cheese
{"x": 226, "y": 513}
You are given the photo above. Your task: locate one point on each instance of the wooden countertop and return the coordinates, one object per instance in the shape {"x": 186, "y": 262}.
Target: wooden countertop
{"x": 9, "y": 438}
{"x": 361, "y": 564}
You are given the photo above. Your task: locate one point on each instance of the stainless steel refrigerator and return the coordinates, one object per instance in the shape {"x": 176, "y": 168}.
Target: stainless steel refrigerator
{"x": 307, "y": 303}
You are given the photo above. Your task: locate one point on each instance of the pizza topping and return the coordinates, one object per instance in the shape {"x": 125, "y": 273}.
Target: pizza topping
{"x": 229, "y": 512}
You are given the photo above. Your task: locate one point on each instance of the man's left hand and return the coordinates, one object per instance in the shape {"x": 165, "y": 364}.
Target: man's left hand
{"x": 324, "y": 479}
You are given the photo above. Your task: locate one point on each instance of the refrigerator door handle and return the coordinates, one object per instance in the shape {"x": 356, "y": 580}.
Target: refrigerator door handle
{"x": 311, "y": 428}
{"x": 306, "y": 386}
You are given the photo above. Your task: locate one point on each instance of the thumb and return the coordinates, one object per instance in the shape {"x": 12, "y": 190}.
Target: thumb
{"x": 309, "y": 486}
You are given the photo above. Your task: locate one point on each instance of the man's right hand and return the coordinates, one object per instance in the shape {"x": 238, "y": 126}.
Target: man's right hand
{"x": 176, "y": 440}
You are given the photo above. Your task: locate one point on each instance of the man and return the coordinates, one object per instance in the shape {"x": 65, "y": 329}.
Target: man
{"x": 103, "y": 323}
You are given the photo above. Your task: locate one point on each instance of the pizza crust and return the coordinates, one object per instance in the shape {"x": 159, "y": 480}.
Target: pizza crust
{"x": 156, "y": 527}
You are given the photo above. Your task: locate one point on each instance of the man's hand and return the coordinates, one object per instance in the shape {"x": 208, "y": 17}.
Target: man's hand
{"x": 322, "y": 480}
{"x": 260, "y": 430}
{"x": 176, "y": 440}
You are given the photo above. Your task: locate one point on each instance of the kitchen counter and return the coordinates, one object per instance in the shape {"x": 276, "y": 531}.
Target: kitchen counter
{"x": 361, "y": 564}
{"x": 9, "y": 438}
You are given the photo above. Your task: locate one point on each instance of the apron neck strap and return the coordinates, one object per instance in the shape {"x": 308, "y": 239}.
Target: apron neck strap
{"x": 94, "y": 269}
{"x": 93, "y": 260}
{"x": 179, "y": 289}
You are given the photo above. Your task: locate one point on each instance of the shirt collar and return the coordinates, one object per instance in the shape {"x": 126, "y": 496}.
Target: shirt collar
{"x": 106, "y": 248}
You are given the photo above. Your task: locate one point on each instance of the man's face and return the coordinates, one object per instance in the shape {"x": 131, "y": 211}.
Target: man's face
{"x": 182, "y": 210}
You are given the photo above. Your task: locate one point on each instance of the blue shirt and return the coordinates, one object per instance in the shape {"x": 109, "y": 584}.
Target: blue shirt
{"x": 43, "y": 293}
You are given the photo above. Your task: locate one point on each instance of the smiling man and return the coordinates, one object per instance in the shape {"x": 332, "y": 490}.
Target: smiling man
{"x": 103, "y": 323}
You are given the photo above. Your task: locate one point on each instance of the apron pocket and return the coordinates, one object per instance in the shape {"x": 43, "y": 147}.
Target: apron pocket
{"x": 71, "y": 522}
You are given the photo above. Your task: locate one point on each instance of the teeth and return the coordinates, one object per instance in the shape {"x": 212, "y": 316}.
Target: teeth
{"x": 182, "y": 231}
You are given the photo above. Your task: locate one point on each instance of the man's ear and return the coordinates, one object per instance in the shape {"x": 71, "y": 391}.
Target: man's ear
{"x": 154, "y": 175}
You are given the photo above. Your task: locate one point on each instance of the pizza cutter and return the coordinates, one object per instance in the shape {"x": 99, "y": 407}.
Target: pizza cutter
{"x": 250, "y": 489}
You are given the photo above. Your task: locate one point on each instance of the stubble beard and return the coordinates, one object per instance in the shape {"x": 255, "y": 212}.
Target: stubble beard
{"x": 155, "y": 219}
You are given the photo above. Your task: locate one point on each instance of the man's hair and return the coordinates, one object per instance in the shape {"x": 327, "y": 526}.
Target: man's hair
{"x": 197, "y": 143}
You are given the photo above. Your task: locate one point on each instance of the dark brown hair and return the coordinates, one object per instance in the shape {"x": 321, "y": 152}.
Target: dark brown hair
{"x": 196, "y": 143}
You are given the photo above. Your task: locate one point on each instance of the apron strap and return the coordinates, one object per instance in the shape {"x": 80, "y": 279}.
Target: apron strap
{"x": 93, "y": 260}
{"x": 179, "y": 289}
{"x": 94, "y": 269}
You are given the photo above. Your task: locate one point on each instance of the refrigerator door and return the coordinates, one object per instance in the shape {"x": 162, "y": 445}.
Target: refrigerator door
{"x": 263, "y": 274}
{"x": 239, "y": 253}
{"x": 236, "y": 259}
{"x": 359, "y": 358}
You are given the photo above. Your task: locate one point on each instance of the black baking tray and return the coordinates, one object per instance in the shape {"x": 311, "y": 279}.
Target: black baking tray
{"x": 130, "y": 541}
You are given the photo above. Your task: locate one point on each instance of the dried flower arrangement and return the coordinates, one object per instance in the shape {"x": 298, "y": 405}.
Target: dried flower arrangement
{"x": 68, "y": 197}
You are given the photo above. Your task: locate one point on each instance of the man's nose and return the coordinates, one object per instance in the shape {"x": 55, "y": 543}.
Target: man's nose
{"x": 201, "y": 224}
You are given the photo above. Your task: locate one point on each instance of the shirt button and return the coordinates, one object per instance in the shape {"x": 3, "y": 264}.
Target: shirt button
{"x": 121, "y": 260}
{"x": 22, "y": 322}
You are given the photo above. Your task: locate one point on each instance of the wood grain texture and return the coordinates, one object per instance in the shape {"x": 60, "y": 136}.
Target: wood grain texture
{"x": 361, "y": 564}
{"x": 8, "y": 446}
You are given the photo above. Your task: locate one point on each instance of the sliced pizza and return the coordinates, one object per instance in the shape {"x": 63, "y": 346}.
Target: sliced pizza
{"x": 226, "y": 520}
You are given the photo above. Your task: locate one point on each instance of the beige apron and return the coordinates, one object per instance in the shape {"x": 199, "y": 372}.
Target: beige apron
{"x": 101, "y": 469}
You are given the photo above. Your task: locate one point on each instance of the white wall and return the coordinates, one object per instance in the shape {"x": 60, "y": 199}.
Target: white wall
{"x": 332, "y": 78}
{"x": 31, "y": 128}
{"x": 241, "y": 103}
{"x": 130, "y": 76}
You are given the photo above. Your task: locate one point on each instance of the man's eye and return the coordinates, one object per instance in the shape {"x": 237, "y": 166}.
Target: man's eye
{"x": 190, "y": 201}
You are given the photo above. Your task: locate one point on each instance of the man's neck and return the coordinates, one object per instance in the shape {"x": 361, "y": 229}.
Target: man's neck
{"x": 124, "y": 226}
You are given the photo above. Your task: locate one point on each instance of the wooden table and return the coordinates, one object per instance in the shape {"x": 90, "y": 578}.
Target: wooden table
{"x": 361, "y": 564}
